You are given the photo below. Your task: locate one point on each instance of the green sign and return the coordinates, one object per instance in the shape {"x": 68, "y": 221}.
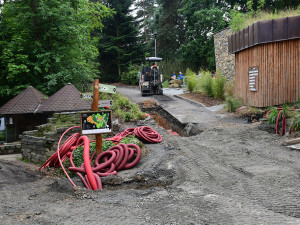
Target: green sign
{"x": 107, "y": 88}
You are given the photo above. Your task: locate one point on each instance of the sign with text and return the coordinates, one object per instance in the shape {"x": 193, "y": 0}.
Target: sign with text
{"x": 105, "y": 103}
{"x": 253, "y": 78}
{"x": 87, "y": 95}
{"x": 99, "y": 122}
{"x": 107, "y": 88}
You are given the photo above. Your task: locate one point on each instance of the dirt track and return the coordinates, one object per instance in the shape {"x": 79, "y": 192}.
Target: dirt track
{"x": 231, "y": 173}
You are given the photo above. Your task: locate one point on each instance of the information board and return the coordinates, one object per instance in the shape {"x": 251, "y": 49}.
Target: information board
{"x": 99, "y": 122}
{"x": 253, "y": 78}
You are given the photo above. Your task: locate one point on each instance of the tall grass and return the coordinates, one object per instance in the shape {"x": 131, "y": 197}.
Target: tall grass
{"x": 230, "y": 88}
{"x": 232, "y": 104}
{"x": 241, "y": 20}
{"x": 206, "y": 83}
{"x": 218, "y": 86}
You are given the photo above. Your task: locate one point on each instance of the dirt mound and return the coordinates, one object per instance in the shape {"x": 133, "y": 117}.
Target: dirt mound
{"x": 14, "y": 174}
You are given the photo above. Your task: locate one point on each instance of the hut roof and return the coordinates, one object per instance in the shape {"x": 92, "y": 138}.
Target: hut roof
{"x": 28, "y": 101}
{"x": 65, "y": 100}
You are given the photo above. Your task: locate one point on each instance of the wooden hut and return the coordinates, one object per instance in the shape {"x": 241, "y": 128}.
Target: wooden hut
{"x": 20, "y": 113}
{"x": 267, "y": 64}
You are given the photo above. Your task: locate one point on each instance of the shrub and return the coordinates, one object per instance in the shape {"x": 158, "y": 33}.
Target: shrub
{"x": 191, "y": 82}
{"x": 230, "y": 88}
{"x": 272, "y": 116}
{"x": 125, "y": 109}
{"x": 165, "y": 84}
{"x": 189, "y": 72}
{"x": 296, "y": 123}
{"x": 131, "y": 76}
{"x": 218, "y": 86}
{"x": 232, "y": 104}
{"x": 206, "y": 83}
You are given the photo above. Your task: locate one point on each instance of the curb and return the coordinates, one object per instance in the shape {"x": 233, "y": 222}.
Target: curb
{"x": 191, "y": 101}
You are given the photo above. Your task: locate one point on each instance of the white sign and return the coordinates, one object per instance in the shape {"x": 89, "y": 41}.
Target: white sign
{"x": 105, "y": 103}
{"x": 87, "y": 95}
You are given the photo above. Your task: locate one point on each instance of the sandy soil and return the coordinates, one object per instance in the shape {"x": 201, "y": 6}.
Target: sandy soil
{"x": 231, "y": 173}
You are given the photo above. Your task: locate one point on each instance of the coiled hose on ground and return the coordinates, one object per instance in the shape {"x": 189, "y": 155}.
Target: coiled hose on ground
{"x": 116, "y": 158}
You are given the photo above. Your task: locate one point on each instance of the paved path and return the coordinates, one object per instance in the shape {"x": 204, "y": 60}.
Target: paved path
{"x": 184, "y": 111}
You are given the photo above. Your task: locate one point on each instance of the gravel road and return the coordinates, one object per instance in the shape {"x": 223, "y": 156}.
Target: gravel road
{"x": 231, "y": 173}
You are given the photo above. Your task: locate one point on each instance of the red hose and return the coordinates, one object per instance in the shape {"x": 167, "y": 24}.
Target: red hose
{"x": 107, "y": 163}
{"x": 277, "y": 121}
{"x": 87, "y": 162}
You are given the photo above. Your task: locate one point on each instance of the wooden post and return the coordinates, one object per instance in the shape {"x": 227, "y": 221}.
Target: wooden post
{"x": 98, "y": 137}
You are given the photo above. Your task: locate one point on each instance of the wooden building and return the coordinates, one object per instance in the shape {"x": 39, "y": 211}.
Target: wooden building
{"x": 267, "y": 63}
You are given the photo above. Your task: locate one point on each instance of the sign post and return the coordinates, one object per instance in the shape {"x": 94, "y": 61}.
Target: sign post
{"x": 98, "y": 137}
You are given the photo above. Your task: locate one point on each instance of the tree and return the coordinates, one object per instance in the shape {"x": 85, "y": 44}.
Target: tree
{"x": 203, "y": 18}
{"x": 47, "y": 44}
{"x": 170, "y": 29}
{"x": 146, "y": 10}
{"x": 119, "y": 43}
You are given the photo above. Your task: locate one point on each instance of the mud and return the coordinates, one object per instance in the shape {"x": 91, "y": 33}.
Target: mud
{"x": 231, "y": 173}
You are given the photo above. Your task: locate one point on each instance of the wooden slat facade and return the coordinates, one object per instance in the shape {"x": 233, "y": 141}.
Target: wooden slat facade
{"x": 278, "y": 73}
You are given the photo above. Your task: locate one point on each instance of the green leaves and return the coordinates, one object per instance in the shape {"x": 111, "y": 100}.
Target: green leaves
{"x": 47, "y": 44}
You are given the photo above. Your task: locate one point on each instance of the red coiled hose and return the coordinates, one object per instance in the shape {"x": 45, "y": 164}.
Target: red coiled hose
{"x": 116, "y": 158}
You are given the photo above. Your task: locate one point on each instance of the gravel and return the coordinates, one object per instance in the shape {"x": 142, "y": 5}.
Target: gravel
{"x": 231, "y": 173}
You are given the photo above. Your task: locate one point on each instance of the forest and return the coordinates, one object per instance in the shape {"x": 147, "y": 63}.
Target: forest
{"x": 47, "y": 44}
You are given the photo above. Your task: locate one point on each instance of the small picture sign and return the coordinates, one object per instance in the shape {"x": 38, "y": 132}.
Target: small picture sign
{"x": 99, "y": 122}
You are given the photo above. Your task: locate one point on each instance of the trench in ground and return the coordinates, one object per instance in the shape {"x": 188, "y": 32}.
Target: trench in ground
{"x": 166, "y": 120}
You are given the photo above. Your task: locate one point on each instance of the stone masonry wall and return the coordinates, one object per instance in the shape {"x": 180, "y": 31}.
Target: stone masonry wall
{"x": 10, "y": 148}
{"x": 38, "y": 145}
{"x": 225, "y": 63}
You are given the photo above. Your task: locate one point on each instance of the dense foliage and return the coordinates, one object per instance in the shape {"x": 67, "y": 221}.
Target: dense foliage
{"x": 119, "y": 43}
{"x": 47, "y": 44}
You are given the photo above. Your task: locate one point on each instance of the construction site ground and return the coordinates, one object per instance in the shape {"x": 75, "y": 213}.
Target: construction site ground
{"x": 228, "y": 172}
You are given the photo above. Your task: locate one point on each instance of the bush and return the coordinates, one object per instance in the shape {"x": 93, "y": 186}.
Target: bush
{"x": 165, "y": 84}
{"x": 189, "y": 72}
{"x": 206, "y": 83}
{"x": 296, "y": 123}
{"x": 131, "y": 76}
{"x": 230, "y": 88}
{"x": 124, "y": 108}
{"x": 218, "y": 86}
{"x": 191, "y": 83}
{"x": 232, "y": 104}
{"x": 272, "y": 116}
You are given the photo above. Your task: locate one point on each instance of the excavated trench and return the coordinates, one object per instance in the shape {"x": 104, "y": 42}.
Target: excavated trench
{"x": 166, "y": 120}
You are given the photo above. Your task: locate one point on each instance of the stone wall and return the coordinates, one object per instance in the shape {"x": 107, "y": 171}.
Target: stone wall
{"x": 225, "y": 63}
{"x": 38, "y": 145}
{"x": 10, "y": 148}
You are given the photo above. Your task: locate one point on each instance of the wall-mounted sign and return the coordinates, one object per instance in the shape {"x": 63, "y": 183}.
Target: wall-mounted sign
{"x": 253, "y": 78}
{"x": 87, "y": 95}
{"x": 105, "y": 103}
{"x": 96, "y": 122}
{"x": 107, "y": 88}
